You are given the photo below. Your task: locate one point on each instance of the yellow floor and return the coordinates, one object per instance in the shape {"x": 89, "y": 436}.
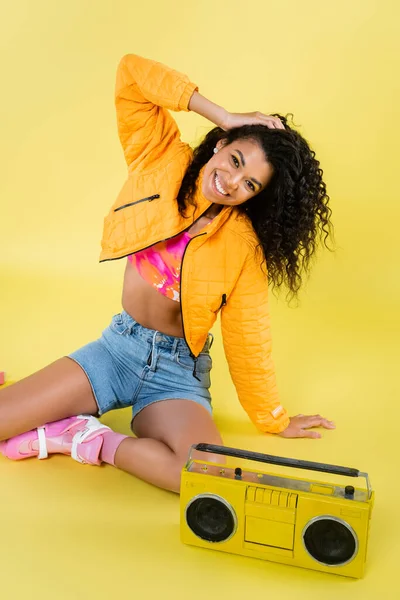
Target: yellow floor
{"x": 71, "y": 531}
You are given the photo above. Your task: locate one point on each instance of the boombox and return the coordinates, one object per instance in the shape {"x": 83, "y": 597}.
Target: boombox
{"x": 301, "y": 522}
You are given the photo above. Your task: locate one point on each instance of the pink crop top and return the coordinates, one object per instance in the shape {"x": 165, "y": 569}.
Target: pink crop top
{"x": 160, "y": 265}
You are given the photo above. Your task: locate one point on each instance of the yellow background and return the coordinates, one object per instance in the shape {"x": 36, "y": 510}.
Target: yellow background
{"x": 69, "y": 531}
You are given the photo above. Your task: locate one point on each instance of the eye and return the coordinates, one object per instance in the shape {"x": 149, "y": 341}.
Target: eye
{"x": 251, "y": 186}
{"x": 235, "y": 161}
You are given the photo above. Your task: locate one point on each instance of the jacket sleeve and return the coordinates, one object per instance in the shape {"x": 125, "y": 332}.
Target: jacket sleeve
{"x": 144, "y": 90}
{"x": 246, "y": 335}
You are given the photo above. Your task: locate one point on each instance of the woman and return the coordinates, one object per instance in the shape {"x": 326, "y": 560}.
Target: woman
{"x": 199, "y": 231}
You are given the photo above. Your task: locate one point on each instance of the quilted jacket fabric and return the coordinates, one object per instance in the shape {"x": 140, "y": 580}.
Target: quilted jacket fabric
{"x": 221, "y": 269}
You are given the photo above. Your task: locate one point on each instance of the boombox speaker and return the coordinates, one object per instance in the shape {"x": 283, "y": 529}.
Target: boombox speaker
{"x": 301, "y": 522}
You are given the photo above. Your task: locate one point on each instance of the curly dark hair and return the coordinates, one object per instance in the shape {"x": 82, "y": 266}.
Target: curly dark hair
{"x": 291, "y": 215}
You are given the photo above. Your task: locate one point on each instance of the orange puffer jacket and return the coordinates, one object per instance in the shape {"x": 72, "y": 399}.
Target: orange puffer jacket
{"x": 221, "y": 269}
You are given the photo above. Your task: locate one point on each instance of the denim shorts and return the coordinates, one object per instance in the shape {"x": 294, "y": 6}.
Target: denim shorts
{"x": 130, "y": 365}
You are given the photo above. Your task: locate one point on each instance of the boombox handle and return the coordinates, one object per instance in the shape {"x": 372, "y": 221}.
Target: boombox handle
{"x": 281, "y": 461}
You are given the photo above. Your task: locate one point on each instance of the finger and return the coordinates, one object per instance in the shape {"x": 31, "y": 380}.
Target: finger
{"x": 271, "y": 122}
{"x": 310, "y": 434}
{"x": 277, "y": 123}
{"x": 328, "y": 424}
{"x": 314, "y": 422}
{"x": 321, "y": 422}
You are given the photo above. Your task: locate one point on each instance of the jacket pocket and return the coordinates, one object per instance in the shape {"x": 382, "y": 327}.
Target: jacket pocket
{"x": 147, "y": 199}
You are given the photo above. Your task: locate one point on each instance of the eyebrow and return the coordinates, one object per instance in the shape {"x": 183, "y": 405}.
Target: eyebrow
{"x": 244, "y": 164}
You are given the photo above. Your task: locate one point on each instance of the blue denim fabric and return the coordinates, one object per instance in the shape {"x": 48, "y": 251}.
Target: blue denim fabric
{"x": 130, "y": 365}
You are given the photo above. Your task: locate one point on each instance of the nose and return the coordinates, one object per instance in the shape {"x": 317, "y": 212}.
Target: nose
{"x": 234, "y": 181}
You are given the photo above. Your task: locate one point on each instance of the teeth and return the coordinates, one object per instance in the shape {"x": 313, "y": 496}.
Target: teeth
{"x": 219, "y": 186}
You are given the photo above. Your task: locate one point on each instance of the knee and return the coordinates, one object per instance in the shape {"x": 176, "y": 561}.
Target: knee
{"x": 180, "y": 460}
{"x": 178, "y": 463}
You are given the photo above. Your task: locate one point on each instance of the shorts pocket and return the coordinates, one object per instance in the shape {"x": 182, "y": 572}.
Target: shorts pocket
{"x": 204, "y": 362}
{"x": 118, "y": 326}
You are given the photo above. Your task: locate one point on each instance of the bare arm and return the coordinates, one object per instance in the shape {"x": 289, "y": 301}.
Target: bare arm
{"x": 226, "y": 120}
{"x": 214, "y": 113}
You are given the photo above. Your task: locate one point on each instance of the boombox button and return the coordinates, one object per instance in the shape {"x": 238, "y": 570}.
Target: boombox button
{"x": 349, "y": 491}
{"x": 321, "y": 489}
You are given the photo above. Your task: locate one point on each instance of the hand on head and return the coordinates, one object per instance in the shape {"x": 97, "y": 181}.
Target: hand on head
{"x": 253, "y": 118}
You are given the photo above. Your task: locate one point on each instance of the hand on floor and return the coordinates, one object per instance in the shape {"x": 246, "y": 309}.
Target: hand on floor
{"x": 300, "y": 424}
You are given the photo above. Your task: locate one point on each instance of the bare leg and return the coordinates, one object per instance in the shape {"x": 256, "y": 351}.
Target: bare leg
{"x": 58, "y": 391}
{"x": 165, "y": 431}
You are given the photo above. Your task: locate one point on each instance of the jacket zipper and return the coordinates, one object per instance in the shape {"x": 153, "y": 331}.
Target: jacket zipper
{"x": 223, "y": 302}
{"x": 195, "y": 358}
{"x": 158, "y": 242}
{"x": 147, "y": 199}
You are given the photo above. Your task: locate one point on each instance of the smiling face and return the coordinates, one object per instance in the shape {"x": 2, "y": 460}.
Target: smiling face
{"x": 236, "y": 173}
